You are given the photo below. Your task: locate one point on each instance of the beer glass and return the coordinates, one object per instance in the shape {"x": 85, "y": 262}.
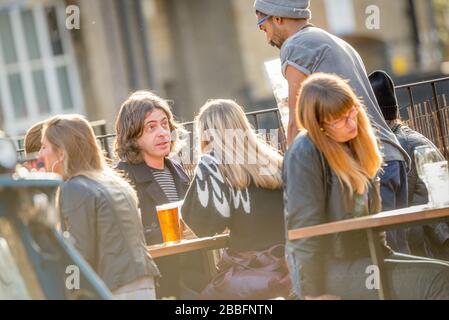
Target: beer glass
{"x": 168, "y": 215}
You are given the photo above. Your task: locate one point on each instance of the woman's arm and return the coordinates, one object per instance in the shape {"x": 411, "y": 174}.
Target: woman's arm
{"x": 78, "y": 211}
{"x": 305, "y": 205}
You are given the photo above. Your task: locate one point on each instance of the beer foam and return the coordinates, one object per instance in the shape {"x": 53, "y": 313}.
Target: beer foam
{"x": 168, "y": 206}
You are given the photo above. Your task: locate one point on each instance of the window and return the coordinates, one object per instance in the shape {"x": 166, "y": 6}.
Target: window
{"x": 38, "y": 74}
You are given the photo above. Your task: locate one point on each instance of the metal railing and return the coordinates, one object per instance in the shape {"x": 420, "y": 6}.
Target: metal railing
{"x": 431, "y": 116}
{"x": 99, "y": 127}
{"x": 256, "y": 118}
{"x": 265, "y": 119}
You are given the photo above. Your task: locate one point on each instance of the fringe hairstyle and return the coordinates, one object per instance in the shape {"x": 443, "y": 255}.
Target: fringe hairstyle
{"x": 326, "y": 97}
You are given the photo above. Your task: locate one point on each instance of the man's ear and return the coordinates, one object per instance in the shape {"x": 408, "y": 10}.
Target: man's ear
{"x": 278, "y": 20}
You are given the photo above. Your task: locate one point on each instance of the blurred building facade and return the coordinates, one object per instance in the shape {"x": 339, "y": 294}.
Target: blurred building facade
{"x": 185, "y": 50}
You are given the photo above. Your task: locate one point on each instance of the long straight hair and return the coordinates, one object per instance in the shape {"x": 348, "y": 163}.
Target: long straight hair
{"x": 326, "y": 97}
{"x": 73, "y": 135}
{"x": 224, "y": 116}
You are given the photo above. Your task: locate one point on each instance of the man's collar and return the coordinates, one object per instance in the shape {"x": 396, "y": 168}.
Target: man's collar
{"x": 144, "y": 173}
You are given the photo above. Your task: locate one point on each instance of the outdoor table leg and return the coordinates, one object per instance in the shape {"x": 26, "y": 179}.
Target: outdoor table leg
{"x": 377, "y": 258}
{"x": 210, "y": 263}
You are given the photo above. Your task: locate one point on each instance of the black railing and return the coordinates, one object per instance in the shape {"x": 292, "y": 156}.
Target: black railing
{"x": 266, "y": 119}
{"x": 260, "y": 120}
{"x": 431, "y": 116}
{"x": 99, "y": 129}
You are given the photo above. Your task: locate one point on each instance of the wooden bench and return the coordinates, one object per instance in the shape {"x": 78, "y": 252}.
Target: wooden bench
{"x": 413, "y": 216}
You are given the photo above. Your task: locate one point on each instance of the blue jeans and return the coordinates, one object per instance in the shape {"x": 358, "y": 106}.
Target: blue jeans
{"x": 394, "y": 193}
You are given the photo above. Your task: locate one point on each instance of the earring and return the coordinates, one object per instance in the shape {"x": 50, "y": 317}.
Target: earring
{"x": 54, "y": 164}
{"x": 322, "y": 129}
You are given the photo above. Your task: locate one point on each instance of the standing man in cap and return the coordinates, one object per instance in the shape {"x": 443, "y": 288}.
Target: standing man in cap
{"x": 306, "y": 49}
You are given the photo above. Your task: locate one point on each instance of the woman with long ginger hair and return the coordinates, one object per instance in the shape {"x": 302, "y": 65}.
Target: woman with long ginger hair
{"x": 330, "y": 174}
{"x": 99, "y": 208}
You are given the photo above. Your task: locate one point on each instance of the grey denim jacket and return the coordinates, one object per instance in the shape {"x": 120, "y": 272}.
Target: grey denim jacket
{"x": 313, "y": 195}
{"x": 102, "y": 217}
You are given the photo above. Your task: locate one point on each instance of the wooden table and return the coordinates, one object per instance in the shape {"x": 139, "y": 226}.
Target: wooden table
{"x": 418, "y": 215}
{"x": 209, "y": 243}
{"x": 188, "y": 245}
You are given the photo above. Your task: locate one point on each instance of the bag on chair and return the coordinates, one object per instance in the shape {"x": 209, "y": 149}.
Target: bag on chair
{"x": 253, "y": 275}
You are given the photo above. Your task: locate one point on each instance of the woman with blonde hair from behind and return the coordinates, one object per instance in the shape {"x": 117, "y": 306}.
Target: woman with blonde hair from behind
{"x": 99, "y": 208}
{"x": 330, "y": 174}
{"x": 237, "y": 186}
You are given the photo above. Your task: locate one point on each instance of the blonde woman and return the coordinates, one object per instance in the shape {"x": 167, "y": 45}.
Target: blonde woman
{"x": 237, "y": 184}
{"x": 99, "y": 208}
{"x": 330, "y": 174}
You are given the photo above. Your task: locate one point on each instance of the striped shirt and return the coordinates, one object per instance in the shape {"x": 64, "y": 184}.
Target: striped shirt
{"x": 165, "y": 180}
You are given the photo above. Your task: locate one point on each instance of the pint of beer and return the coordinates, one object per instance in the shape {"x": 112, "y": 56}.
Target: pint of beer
{"x": 168, "y": 215}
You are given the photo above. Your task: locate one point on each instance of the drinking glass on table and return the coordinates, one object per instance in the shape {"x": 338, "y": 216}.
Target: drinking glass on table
{"x": 169, "y": 219}
{"x": 432, "y": 168}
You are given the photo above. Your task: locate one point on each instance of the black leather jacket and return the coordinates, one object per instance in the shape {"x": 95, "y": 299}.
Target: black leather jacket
{"x": 150, "y": 193}
{"x": 313, "y": 195}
